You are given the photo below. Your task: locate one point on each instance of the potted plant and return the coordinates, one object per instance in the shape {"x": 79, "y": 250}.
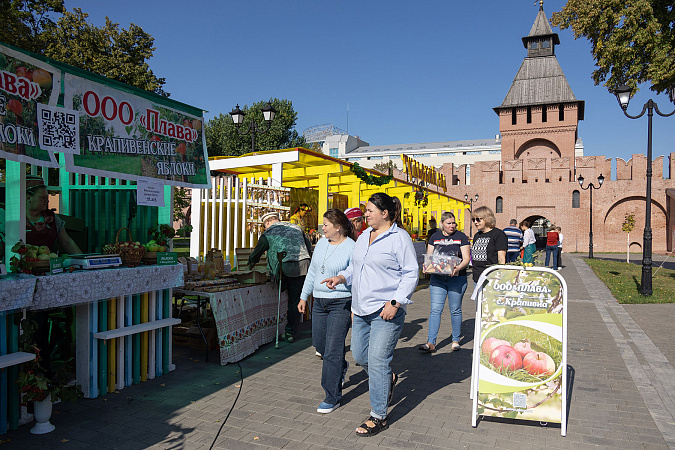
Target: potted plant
{"x": 40, "y": 386}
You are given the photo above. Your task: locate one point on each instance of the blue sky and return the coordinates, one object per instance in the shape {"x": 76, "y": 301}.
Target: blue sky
{"x": 409, "y": 71}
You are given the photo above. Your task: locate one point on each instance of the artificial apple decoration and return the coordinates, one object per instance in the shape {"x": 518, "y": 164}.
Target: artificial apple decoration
{"x": 523, "y": 348}
{"x": 490, "y": 344}
{"x": 538, "y": 363}
{"x": 506, "y": 357}
{"x": 181, "y": 148}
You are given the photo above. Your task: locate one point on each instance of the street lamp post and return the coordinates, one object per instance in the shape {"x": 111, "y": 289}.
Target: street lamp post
{"x": 238, "y": 117}
{"x": 470, "y": 200}
{"x": 590, "y": 187}
{"x": 623, "y": 94}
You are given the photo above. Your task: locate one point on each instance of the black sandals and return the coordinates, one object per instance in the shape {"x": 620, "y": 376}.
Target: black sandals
{"x": 376, "y": 426}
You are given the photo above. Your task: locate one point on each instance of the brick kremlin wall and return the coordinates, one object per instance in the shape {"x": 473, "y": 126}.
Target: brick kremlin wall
{"x": 545, "y": 187}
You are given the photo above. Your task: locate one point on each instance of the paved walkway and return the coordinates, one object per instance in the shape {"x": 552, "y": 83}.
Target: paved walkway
{"x": 621, "y": 360}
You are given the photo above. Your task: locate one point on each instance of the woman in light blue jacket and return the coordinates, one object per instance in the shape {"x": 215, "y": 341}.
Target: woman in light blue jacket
{"x": 331, "y": 314}
{"x": 383, "y": 275}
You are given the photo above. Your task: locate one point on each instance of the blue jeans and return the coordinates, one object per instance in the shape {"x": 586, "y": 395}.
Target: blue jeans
{"x": 512, "y": 256}
{"x": 440, "y": 288}
{"x": 331, "y": 318}
{"x": 552, "y": 250}
{"x": 373, "y": 342}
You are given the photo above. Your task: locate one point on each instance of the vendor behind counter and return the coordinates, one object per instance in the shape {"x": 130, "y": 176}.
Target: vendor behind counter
{"x": 43, "y": 227}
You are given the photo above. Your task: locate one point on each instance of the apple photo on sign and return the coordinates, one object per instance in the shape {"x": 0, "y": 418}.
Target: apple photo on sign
{"x": 521, "y": 353}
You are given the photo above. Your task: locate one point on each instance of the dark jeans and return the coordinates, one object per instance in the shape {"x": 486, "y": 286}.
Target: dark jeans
{"x": 512, "y": 256}
{"x": 331, "y": 318}
{"x": 552, "y": 254}
{"x": 294, "y": 287}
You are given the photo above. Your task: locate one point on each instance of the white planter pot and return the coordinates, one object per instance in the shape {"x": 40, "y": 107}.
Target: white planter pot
{"x": 43, "y": 412}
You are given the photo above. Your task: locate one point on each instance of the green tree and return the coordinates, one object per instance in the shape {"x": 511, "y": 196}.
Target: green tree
{"x": 222, "y": 138}
{"x": 386, "y": 167}
{"x": 23, "y": 22}
{"x": 627, "y": 226}
{"x": 115, "y": 53}
{"x": 632, "y": 41}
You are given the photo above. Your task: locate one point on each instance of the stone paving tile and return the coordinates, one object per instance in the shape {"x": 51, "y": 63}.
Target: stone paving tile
{"x": 431, "y": 407}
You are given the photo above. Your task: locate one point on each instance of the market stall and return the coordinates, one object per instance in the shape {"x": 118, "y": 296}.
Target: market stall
{"x": 220, "y": 214}
{"x": 108, "y": 154}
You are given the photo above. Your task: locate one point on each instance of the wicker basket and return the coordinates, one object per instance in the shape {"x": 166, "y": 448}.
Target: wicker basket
{"x": 131, "y": 256}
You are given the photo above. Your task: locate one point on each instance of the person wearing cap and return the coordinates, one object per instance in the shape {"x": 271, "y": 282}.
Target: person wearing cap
{"x": 355, "y": 216}
{"x": 43, "y": 227}
{"x": 299, "y": 216}
{"x": 289, "y": 238}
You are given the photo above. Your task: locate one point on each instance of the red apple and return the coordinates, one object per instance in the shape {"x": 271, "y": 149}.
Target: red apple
{"x": 539, "y": 363}
{"x": 15, "y": 106}
{"x": 25, "y": 73}
{"x": 505, "y": 357}
{"x": 490, "y": 344}
{"x": 523, "y": 348}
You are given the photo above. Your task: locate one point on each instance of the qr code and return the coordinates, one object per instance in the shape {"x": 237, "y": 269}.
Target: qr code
{"x": 59, "y": 129}
{"x": 519, "y": 400}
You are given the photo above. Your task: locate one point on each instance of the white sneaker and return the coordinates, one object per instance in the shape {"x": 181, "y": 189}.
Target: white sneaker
{"x": 318, "y": 354}
{"x": 325, "y": 408}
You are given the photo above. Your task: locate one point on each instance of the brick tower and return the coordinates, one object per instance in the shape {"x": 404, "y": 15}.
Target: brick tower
{"x": 540, "y": 114}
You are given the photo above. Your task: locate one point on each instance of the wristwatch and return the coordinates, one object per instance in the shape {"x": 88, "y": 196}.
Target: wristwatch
{"x": 395, "y": 304}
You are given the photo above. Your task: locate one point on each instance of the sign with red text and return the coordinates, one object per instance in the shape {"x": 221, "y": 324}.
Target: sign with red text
{"x": 520, "y": 364}
{"x": 135, "y": 137}
{"x": 26, "y": 85}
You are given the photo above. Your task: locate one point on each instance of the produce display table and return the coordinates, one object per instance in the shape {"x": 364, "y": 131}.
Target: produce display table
{"x": 246, "y": 318}
{"x": 66, "y": 289}
{"x": 16, "y": 291}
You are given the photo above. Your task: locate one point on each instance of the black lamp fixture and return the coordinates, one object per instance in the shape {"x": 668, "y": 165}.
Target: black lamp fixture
{"x": 470, "y": 200}
{"x": 238, "y": 118}
{"x": 623, "y": 95}
{"x": 591, "y": 187}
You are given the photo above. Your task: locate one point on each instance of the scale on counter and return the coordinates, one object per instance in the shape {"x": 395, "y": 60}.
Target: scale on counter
{"x": 93, "y": 261}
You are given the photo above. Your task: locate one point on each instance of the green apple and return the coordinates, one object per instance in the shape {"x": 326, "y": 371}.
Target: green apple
{"x": 31, "y": 254}
{"x": 43, "y": 257}
{"x": 53, "y": 255}
{"x": 153, "y": 248}
{"x": 44, "y": 250}
{"x": 162, "y": 248}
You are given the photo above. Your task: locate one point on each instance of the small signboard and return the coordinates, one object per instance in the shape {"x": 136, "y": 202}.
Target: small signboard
{"x": 167, "y": 258}
{"x": 520, "y": 353}
{"x": 149, "y": 193}
{"x": 56, "y": 265}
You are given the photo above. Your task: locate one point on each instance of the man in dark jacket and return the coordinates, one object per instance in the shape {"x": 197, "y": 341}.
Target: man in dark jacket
{"x": 282, "y": 237}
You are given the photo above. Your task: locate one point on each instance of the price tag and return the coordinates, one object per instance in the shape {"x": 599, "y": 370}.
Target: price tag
{"x": 56, "y": 265}
{"x": 167, "y": 258}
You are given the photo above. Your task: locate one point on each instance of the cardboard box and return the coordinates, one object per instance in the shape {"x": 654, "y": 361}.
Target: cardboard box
{"x": 249, "y": 276}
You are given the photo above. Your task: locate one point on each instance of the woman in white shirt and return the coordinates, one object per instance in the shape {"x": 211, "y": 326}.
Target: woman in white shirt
{"x": 383, "y": 274}
{"x": 529, "y": 240}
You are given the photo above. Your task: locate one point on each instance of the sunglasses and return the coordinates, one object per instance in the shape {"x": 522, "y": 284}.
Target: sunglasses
{"x": 477, "y": 219}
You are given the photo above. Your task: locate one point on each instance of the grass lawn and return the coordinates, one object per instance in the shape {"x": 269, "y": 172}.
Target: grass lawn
{"x": 623, "y": 280}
